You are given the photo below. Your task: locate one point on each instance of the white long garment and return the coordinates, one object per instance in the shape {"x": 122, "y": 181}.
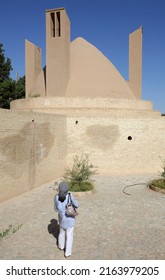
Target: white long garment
{"x": 65, "y": 240}
{"x": 66, "y": 223}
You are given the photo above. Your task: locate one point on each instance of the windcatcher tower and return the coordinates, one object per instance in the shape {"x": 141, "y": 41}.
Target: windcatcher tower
{"x": 34, "y": 73}
{"x": 135, "y": 62}
{"x": 57, "y": 52}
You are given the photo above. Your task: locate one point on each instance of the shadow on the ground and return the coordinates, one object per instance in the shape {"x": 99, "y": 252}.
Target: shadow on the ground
{"x": 53, "y": 228}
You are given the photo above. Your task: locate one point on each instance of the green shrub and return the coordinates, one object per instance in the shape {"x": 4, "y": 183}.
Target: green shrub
{"x": 158, "y": 183}
{"x": 162, "y": 174}
{"x": 79, "y": 177}
{"x": 8, "y": 231}
{"x": 35, "y": 95}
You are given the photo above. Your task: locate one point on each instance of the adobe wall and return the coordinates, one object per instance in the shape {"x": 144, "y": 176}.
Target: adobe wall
{"x": 103, "y": 125}
{"x": 107, "y": 140}
{"x": 33, "y": 65}
{"x": 36, "y": 152}
{"x": 80, "y": 102}
{"x": 135, "y": 62}
{"x": 79, "y": 106}
{"x": 32, "y": 151}
{"x": 57, "y": 52}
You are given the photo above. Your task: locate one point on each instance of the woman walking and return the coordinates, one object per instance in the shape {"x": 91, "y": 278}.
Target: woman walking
{"x": 66, "y": 223}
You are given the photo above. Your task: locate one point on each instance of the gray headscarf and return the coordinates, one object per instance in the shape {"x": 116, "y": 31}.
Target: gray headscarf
{"x": 63, "y": 190}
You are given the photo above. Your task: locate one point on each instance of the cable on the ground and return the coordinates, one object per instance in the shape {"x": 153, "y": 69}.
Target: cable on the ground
{"x": 132, "y": 186}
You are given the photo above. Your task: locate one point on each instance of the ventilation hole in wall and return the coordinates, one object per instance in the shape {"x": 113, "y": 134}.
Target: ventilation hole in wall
{"x": 129, "y": 138}
{"x": 52, "y": 18}
{"x": 76, "y": 122}
{"x": 32, "y": 120}
{"x": 58, "y": 24}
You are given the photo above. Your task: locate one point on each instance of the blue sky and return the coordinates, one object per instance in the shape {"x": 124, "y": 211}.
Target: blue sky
{"x": 104, "y": 23}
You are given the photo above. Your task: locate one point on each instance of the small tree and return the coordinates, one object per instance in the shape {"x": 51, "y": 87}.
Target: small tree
{"x": 9, "y": 88}
{"x": 162, "y": 174}
{"x": 79, "y": 177}
{"x": 159, "y": 183}
{"x": 20, "y": 88}
{"x": 5, "y": 65}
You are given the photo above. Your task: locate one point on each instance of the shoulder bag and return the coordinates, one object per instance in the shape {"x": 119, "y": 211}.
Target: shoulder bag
{"x": 70, "y": 208}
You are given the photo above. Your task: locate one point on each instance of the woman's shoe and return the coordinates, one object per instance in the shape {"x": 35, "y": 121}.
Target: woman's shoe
{"x": 67, "y": 256}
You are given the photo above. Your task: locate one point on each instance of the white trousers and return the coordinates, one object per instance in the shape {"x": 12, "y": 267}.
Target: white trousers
{"x": 65, "y": 240}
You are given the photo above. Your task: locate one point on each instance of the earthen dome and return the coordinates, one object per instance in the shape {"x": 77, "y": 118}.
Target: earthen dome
{"x": 92, "y": 74}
